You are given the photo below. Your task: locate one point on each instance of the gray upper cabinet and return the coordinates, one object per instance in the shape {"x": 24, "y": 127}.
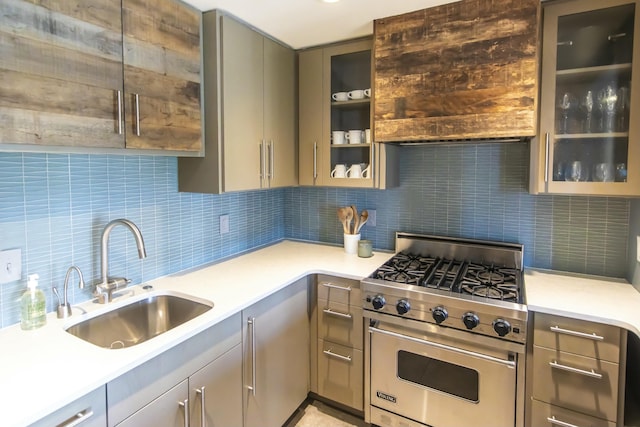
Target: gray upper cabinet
{"x": 249, "y": 85}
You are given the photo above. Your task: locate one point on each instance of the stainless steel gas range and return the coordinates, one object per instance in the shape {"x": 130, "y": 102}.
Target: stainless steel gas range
{"x": 447, "y": 328}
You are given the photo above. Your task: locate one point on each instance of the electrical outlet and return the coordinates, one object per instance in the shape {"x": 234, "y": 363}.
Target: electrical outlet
{"x": 10, "y": 265}
{"x": 224, "y": 224}
{"x": 371, "y": 222}
{"x": 638, "y": 248}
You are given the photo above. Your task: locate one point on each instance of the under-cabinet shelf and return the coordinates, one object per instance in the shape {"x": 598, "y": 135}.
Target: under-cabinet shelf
{"x": 350, "y": 145}
{"x": 351, "y": 103}
{"x": 594, "y": 70}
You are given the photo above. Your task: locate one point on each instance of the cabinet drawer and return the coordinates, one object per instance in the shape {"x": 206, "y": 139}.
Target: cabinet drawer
{"x": 578, "y": 336}
{"x": 92, "y": 408}
{"x": 338, "y": 289}
{"x": 544, "y": 415}
{"x": 335, "y": 326}
{"x": 583, "y": 384}
{"x": 340, "y": 374}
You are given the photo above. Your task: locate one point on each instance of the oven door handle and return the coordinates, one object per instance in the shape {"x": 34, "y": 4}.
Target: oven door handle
{"x": 509, "y": 363}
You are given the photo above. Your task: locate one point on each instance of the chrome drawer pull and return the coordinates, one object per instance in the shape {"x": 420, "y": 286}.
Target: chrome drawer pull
{"x": 331, "y": 285}
{"x": 559, "y": 330}
{"x": 336, "y": 355}
{"x": 78, "y": 418}
{"x": 338, "y": 314}
{"x": 552, "y": 420}
{"x": 591, "y": 373}
{"x": 185, "y": 405}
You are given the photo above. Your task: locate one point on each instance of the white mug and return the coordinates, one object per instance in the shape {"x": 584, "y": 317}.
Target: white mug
{"x": 367, "y": 92}
{"x": 337, "y": 137}
{"x": 354, "y": 136}
{"x": 340, "y": 171}
{"x": 340, "y": 96}
{"x": 356, "y": 94}
{"x": 367, "y": 136}
{"x": 355, "y": 171}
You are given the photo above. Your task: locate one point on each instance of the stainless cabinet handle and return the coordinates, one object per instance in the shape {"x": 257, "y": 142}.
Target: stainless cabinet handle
{"x": 566, "y": 43}
{"x": 592, "y": 336}
{"x": 614, "y": 37}
{"x": 337, "y": 313}
{"x": 137, "y": 101}
{"x": 546, "y": 157}
{"x": 185, "y": 405}
{"x": 252, "y": 325}
{"x": 119, "y": 113}
{"x": 203, "y": 413}
{"x": 271, "y": 160}
{"x": 261, "y": 162}
{"x": 331, "y": 285}
{"x": 552, "y": 419}
{"x": 77, "y": 419}
{"x": 315, "y": 161}
{"x": 591, "y": 373}
{"x": 337, "y": 356}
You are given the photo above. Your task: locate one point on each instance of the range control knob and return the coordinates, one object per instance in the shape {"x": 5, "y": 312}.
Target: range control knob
{"x": 378, "y": 302}
{"x": 403, "y": 306}
{"x": 502, "y": 327}
{"x": 439, "y": 314}
{"x": 470, "y": 320}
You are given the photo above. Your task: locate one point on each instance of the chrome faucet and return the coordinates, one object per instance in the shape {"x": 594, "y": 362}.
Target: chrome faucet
{"x": 104, "y": 289}
{"x": 64, "y": 308}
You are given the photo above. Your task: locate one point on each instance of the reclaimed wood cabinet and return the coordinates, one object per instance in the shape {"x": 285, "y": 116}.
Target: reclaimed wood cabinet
{"x": 249, "y": 83}
{"x": 323, "y": 72}
{"x": 464, "y": 70}
{"x": 107, "y": 75}
{"x": 588, "y": 141}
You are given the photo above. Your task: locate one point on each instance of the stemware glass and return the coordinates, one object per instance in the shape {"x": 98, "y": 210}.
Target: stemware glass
{"x": 566, "y": 103}
{"x": 623, "y": 109}
{"x": 587, "y": 108}
{"x": 610, "y": 100}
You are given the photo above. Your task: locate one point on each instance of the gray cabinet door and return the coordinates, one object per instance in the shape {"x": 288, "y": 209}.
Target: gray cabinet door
{"x": 215, "y": 392}
{"x": 242, "y": 104}
{"x": 276, "y": 356}
{"x": 279, "y": 114}
{"x": 310, "y": 123}
{"x": 165, "y": 411}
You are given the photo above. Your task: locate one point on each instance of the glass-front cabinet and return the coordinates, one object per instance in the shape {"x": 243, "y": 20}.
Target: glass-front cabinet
{"x": 590, "y": 101}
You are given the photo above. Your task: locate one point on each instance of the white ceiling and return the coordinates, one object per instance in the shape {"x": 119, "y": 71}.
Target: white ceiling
{"x": 305, "y": 23}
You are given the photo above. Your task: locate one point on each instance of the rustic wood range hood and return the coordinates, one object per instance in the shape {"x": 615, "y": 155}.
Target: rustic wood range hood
{"x": 460, "y": 72}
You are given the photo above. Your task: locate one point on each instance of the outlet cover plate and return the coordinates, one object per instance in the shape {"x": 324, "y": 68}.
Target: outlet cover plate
{"x": 10, "y": 265}
{"x": 371, "y": 221}
{"x": 638, "y": 248}
{"x": 224, "y": 224}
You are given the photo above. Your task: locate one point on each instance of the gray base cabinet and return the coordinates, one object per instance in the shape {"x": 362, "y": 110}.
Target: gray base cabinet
{"x": 88, "y": 411}
{"x": 184, "y": 377}
{"x": 275, "y": 343}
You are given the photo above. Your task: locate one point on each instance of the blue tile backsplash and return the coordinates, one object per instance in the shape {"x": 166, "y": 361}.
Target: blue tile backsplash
{"x": 54, "y": 207}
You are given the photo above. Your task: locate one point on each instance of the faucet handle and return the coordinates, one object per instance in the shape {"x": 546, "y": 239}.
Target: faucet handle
{"x": 104, "y": 291}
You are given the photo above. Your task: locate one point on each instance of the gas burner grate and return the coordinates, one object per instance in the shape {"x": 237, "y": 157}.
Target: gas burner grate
{"x": 404, "y": 268}
{"x": 491, "y": 282}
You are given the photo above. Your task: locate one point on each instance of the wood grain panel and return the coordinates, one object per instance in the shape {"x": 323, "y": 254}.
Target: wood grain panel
{"x": 463, "y": 70}
{"x": 60, "y": 72}
{"x": 162, "y": 65}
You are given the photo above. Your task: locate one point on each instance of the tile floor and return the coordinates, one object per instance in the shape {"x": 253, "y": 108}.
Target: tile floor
{"x": 314, "y": 413}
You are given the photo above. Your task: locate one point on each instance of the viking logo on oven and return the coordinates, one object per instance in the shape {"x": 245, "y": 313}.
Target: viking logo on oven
{"x": 386, "y": 396}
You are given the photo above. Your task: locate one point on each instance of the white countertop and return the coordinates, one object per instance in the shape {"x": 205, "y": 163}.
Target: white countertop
{"x": 597, "y": 299}
{"x": 43, "y": 370}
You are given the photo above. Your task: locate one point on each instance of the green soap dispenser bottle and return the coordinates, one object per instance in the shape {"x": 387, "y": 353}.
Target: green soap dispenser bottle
{"x": 34, "y": 305}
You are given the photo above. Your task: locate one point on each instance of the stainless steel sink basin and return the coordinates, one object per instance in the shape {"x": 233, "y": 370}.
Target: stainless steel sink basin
{"x": 139, "y": 320}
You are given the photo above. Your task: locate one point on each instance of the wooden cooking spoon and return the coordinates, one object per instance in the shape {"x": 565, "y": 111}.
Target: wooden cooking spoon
{"x": 349, "y": 218}
{"x": 356, "y": 219}
{"x": 342, "y": 217}
{"x": 364, "y": 216}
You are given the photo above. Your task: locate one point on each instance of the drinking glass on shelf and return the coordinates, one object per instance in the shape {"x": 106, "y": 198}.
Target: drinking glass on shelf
{"x": 623, "y": 109}
{"x": 603, "y": 172}
{"x": 621, "y": 172}
{"x": 559, "y": 171}
{"x": 587, "y": 107}
{"x": 566, "y": 103}
{"x": 575, "y": 172}
{"x": 610, "y": 100}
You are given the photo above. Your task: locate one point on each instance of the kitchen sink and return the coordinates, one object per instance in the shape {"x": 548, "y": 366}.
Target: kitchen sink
{"x": 139, "y": 320}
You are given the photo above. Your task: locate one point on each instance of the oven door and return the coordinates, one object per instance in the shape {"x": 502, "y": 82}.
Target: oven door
{"x": 432, "y": 382}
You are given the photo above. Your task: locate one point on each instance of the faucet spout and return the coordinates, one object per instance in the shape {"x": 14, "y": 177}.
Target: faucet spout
{"x": 107, "y": 285}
